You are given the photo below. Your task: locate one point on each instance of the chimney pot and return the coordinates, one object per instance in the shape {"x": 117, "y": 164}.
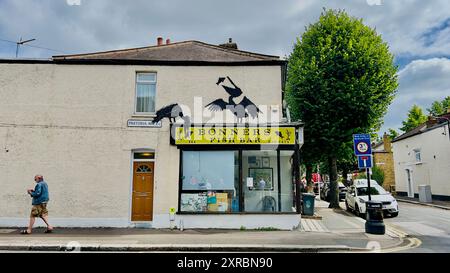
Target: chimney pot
{"x": 168, "y": 42}
{"x": 160, "y": 41}
{"x": 230, "y": 44}
{"x": 431, "y": 121}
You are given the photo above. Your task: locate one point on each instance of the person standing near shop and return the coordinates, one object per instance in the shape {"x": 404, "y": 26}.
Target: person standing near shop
{"x": 40, "y": 197}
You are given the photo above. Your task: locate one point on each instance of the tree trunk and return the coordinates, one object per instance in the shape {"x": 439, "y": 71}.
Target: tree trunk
{"x": 334, "y": 198}
{"x": 345, "y": 174}
{"x": 309, "y": 173}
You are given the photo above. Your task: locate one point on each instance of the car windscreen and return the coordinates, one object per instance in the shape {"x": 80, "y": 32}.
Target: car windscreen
{"x": 373, "y": 191}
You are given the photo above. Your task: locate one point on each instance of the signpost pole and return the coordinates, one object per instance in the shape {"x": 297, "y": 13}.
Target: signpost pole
{"x": 318, "y": 178}
{"x": 363, "y": 150}
{"x": 368, "y": 183}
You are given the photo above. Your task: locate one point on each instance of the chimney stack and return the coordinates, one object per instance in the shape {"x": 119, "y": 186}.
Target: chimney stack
{"x": 230, "y": 44}
{"x": 387, "y": 143}
{"x": 431, "y": 121}
{"x": 168, "y": 42}
{"x": 160, "y": 41}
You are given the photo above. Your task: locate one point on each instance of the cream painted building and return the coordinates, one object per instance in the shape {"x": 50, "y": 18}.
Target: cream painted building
{"x": 422, "y": 157}
{"x": 86, "y": 123}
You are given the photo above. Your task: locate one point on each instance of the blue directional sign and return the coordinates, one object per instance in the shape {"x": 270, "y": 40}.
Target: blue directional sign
{"x": 362, "y": 144}
{"x": 365, "y": 161}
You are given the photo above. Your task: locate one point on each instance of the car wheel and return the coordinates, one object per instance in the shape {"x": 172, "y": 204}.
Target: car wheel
{"x": 363, "y": 215}
{"x": 394, "y": 214}
{"x": 357, "y": 210}
{"x": 347, "y": 207}
{"x": 359, "y": 213}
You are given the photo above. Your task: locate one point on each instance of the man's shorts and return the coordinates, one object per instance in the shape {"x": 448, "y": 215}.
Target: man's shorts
{"x": 39, "y": 210}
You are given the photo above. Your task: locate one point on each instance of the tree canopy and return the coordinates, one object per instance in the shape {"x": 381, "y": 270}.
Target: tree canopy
{"x": 341, "y": 80}
{"x": 392, "y": 134}
{"x": 439, "y": 107}
{"x": 415, "y": 118}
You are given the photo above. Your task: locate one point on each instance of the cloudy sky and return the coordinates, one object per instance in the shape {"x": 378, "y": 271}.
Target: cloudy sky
{"x": 417, "y": 31}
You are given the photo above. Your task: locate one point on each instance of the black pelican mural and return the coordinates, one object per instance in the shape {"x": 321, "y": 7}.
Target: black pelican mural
{"x": 242, "y": 110}
{"x": 282, "y": 136}
{"x": 172, "y": 112}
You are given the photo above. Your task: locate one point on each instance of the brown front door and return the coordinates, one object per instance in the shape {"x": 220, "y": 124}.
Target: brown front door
{"x": 142, "y": 207}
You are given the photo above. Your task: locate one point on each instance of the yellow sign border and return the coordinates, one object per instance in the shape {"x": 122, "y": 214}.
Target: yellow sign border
{"x": 214, "y": 135}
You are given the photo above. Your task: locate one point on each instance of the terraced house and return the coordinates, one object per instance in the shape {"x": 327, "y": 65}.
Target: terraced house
{"x": 177, "y": 134}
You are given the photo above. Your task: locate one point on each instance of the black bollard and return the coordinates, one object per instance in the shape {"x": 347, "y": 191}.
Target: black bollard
{"x": 374, "y": 215}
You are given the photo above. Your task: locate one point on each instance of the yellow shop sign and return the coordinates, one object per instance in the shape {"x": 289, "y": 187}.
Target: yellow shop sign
{"x": 236, "y": 135}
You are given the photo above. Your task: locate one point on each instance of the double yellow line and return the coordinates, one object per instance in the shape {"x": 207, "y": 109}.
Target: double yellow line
{"x": 413, "y": 242}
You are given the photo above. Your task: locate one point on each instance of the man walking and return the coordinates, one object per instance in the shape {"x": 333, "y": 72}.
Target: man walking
{"x": 40, "y": 197}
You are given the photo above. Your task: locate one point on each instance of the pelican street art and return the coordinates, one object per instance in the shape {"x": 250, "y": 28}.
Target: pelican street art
{"x": 245, "y": 111}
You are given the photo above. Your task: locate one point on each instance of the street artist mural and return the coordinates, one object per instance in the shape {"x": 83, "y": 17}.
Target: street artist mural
{"x": 246, "y": 108}
{"x": 242, "y": 110}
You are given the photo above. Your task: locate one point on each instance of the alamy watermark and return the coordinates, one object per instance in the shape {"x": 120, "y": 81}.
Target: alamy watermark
{"x": 73, "y": 2}
{"x": 374, "y": 2}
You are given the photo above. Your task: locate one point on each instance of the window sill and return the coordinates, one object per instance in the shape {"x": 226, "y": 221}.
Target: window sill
{"x": 143, "y": 116}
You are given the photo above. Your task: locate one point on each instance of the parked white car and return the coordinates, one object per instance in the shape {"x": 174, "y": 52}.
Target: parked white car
{"x": 356, "y": 198}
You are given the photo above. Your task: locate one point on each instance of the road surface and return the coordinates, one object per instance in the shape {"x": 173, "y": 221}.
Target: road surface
{"x": 428, "y": 224}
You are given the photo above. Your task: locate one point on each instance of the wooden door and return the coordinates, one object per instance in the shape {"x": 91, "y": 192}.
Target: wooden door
{"x": 142, "y": 206}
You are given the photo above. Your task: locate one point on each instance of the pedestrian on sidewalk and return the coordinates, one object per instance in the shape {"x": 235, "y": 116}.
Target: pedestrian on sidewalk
{"x": 40, "y": 197}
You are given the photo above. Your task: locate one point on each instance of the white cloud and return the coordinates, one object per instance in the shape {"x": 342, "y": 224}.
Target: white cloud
{"x": 259, "y": 25}
{"x": 421, "y": 83}
{"x": 264, "y": 26}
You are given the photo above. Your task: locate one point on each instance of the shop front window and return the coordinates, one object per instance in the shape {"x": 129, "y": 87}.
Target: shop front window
{"x": 260, "y": 173}
{"x": 210, "y": 182}
{"x": 287, "y": 181}
{"x": 246, "y": 181}
{"x": 268, "y": 183}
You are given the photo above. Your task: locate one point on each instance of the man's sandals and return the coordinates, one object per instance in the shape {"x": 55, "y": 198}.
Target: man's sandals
{"x": 25, "y": 232}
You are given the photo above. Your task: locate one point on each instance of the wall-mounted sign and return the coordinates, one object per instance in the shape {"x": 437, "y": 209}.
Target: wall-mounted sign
{"x": 143, "y": 123}
{"x": 236, "y": 135}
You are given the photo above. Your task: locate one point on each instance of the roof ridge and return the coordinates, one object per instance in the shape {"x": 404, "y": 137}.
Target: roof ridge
{"x": 136, "y": 49}
{"x": 122, "y": 50}
{"x": 416, "y": 130}
{"x": 237, "y": 51}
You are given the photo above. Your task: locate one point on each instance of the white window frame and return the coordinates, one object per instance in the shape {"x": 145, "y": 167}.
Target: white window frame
{"x": 137, "y": 81}
{"x": 417, "y": 152}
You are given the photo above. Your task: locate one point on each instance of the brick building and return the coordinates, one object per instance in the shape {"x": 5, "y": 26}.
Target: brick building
{"x": 384, "y": 159}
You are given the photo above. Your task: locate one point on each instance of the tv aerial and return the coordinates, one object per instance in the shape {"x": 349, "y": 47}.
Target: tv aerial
{"x": 20, "y": 42}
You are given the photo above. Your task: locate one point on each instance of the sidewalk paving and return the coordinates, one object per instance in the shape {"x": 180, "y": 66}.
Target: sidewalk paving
{"x": 337, "y": 231}
{"x": 436, "y": 204}
{"x": 189, "y": 240}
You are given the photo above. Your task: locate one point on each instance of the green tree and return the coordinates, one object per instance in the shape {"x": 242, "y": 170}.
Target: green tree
{"x": 341, "y": 80}
{"x": 377, "y": 175}
{"x": 415, "y": 118}
{"x": 392, "y": 134}
{"x": 439, "y": 107}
